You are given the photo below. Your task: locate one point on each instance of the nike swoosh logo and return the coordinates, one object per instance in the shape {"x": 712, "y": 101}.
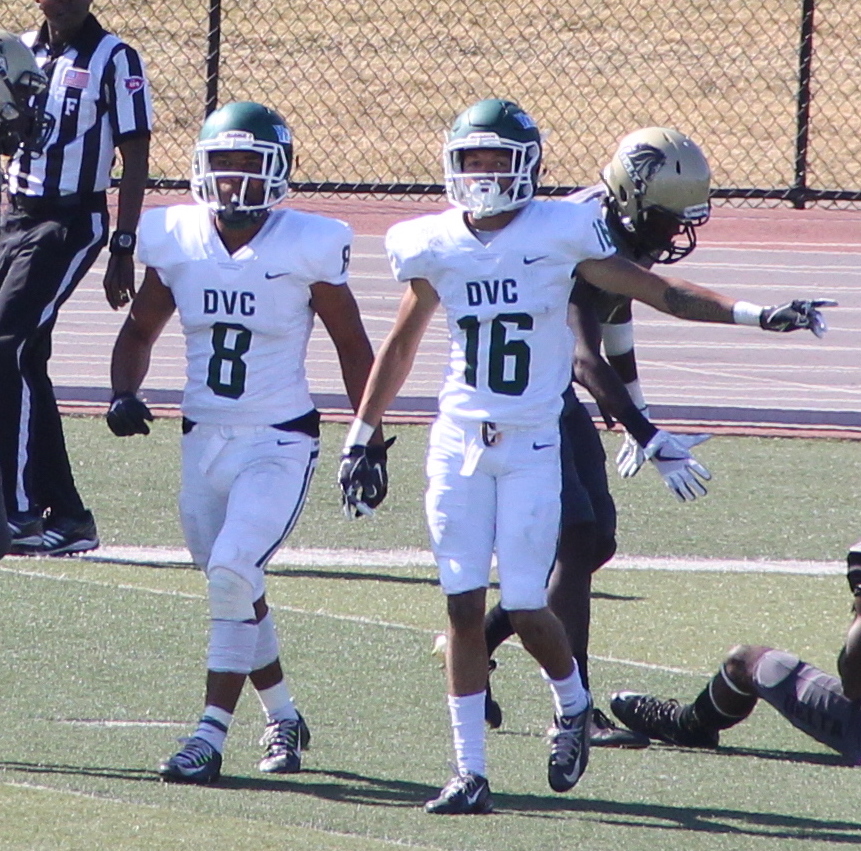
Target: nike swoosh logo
{"x": 473, "y": 798}
{"x": 269, "y": 275}
{"x": 528, "y": 261}
{"x": 541, "y": 445}
{"x": 659, "y": 456}
{"x": 285, "y": 442}
{"x": 572, "y": 775}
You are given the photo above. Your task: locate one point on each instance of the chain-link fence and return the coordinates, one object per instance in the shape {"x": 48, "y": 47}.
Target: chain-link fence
{"x": 769, "y": 88}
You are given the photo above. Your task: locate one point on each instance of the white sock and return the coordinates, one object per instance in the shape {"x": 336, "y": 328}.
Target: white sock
{"x": 213, "y": 726}
{"x": 467, "y": 726}
{"x": 569, "y": 696}
{"x": 277, "y": 703}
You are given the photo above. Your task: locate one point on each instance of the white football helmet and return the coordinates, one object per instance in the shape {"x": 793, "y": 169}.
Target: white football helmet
{"x": 22, "y": 120}
{"x": 658, "y": 182}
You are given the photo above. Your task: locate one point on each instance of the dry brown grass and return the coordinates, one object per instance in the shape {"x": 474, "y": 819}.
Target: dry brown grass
{"x": 369, "y": 86}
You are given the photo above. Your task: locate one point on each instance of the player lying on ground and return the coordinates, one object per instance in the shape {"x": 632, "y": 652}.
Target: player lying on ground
{"x": 826, "y": 707}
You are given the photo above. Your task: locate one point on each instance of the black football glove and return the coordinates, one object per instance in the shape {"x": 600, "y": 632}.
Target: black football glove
{"x": 364, "y": 479}
{"x": 128, "y": 415}
{"x": 796, "y": 314}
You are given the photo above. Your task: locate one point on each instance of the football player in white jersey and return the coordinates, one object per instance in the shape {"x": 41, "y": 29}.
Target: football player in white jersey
{"x": 501, "y": 265}
{"x": 247, "y": 282}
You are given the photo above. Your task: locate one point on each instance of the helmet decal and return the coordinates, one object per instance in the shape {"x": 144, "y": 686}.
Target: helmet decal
{"x": 658, "y": 185}
{"x": 642, "y": 163}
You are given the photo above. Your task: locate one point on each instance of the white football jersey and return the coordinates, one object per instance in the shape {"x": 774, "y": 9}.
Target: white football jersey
{"x": 505, "y": 302}
{"x": 246, "y": 317}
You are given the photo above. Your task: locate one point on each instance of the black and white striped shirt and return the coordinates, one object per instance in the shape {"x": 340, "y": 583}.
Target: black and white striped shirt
{"x": 99, "y": 97}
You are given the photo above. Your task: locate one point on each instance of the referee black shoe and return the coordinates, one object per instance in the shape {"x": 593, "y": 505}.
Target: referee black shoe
{"x": 26, "y": 533}
{"x": 67, "y": 535}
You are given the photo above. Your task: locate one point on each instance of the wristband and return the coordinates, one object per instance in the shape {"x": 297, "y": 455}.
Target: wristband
{"x": 359, "y": 434}
{"x": 746, "y": 313}
{"x": 122, "y": 243}
{"x": 637, "y": 424}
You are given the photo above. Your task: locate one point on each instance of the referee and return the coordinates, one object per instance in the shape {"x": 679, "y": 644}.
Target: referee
{"x": 55, "y": 227}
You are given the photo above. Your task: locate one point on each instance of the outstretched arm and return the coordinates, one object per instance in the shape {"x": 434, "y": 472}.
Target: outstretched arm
{"x": 686, "y": 300}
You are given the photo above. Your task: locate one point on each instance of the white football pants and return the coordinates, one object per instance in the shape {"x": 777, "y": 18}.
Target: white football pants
{"x": 243, "y": 488}
{"x": 504, "y": 498}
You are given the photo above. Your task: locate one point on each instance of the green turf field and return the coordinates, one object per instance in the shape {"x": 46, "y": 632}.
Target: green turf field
{"x": 103, "y": 671}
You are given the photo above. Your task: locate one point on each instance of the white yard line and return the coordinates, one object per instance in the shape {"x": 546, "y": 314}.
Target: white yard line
{"x": 148, "y": 556}
{"x": 315, "y": 557}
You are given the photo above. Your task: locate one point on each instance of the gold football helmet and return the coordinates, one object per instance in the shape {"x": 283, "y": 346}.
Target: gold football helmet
{"x": 658, "y": 183}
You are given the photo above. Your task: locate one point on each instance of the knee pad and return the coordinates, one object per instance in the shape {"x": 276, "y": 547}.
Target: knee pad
{"x": 773, "y": 668}
{"x": 267, "y": 650}
{"x": 230, "y": 596}
{"x": 231, "y": 646}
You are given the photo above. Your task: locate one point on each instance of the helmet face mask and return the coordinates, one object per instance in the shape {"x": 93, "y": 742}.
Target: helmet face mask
{"x": 492, "y": 125}
{"x": 23, "y": 120}
{"x": 261, "y": 181}
{"x": 658, "y": 188}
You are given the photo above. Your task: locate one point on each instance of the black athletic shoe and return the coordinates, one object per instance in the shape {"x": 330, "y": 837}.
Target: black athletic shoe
{"x": 463, "y": 795}
{"x": 492, "y": 710}
{"x": 569, "y": 749}
{"x": 283, "y": 753}
{"x": 26, "y": 532}
{"x": 603, "y": 733}
{"x": 65, "y": 535}
{"x": 659, "y": 719}
{"x": 198, "y": 762}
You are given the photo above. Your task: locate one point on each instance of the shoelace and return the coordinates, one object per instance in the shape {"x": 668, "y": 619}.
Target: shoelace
{"x": 284, "y": 734}
{"x": 565, "y": 743}
{"x": 656, "y": 714}
{"x": 458, "y": 783}
{"x": 195, "y": 752}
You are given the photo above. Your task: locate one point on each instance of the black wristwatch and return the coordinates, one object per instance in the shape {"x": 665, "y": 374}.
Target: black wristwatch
{"x": 122, "y": 242}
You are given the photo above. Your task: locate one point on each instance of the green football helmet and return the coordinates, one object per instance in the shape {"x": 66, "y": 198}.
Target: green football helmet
{"x": 243, "y": 126}
{"x": 658, "y": 183}
{"x": 491, "y": 124}
{"x": 23, "y": 120}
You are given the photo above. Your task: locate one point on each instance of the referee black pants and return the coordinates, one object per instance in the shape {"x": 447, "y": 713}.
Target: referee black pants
{"x": 42, "y": 259}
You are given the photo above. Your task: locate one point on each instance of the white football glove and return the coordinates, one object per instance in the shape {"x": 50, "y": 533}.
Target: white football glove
{"x": 679, "y": 469}
{"x": 631, "y": 456}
